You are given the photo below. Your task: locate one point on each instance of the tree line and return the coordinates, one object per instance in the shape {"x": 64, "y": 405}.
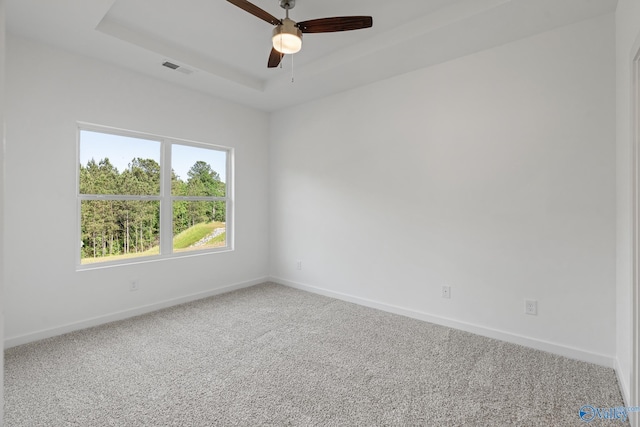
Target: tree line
{"x": 118, "y": 227}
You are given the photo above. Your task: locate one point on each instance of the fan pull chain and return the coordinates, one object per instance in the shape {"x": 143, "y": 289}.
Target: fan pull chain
{"x": 292, "y": 79}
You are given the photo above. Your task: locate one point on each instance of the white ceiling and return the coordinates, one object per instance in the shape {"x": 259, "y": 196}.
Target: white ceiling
{"x": 227, "y": 48}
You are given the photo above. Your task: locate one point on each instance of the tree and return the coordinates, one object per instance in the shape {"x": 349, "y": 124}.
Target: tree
{"x": 180, "y": 207}
{"x": 98, "y": 216}
{"x": 204, "y": 181}
{"x": 202, "y": 172}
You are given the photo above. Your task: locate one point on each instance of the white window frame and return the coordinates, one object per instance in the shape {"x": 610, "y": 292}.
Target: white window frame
{"x": 165, "y": 198}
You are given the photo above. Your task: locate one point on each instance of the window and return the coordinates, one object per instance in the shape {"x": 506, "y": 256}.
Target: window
{"x": 147, "y": 196}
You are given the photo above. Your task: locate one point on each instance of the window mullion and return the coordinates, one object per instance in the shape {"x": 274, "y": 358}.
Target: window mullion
{"x": 166, "y": 204}
{"x": 199, "y": 198}
{"x": 117, "y": 197}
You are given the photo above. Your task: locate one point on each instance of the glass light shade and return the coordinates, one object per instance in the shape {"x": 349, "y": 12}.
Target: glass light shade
{"x": 287, "y": 43}
{"x": 287, "y": 38}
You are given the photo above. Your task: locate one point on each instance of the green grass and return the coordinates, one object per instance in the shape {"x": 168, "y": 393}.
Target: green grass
{"x": 91, "y": 260}
{"x": 193, "y": 234}
{"x": 181, "y": 243}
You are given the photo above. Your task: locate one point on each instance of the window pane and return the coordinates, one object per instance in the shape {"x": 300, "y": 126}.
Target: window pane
{"x": 199, "y": 225}
{"x": 116, "y": 229}
{"x": 198, "y": 171}
{"x": 113, "y": 164}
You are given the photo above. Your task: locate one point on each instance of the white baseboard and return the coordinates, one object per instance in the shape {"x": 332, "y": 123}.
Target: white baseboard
{"x": 550, "y": 347}
{"x": 622, "y": 380}
{"x": 125, "y": 314}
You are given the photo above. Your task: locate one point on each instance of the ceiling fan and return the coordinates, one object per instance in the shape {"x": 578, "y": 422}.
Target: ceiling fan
{"x": 287, "y": 34}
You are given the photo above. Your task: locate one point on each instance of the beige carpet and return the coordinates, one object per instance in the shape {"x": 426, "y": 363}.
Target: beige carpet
{"x": 275, "y": 356}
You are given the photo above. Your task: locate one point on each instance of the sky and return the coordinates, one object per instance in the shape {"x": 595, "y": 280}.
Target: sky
{"x": 122, "y": 149}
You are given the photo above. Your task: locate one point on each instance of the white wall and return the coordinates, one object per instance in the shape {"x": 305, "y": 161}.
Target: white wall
{"x": 2, "y": 157}
{"x": 627, "y": 44}
{"x": 493, "y": 173}
{"x": 48, "y": 91}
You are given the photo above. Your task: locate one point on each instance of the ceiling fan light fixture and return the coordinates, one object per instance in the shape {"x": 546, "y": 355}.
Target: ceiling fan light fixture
{"x": 287, "y": 38}
{"x": 287, "y": 34}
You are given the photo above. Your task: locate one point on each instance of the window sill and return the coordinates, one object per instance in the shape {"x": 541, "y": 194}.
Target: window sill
{"x": 150, "y": 259}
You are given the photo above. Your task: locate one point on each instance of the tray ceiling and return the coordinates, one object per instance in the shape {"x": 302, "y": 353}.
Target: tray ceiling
{"x": 223, "y": 50}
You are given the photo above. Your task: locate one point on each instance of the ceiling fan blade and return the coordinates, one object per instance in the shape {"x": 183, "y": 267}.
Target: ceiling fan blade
{"x": 330, "y": 25}
{"x": 275, "y": 58}
{"x": 256, "y": 11}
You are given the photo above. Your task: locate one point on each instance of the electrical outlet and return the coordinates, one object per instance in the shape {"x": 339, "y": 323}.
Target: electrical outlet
{"x": 298, "y": 265}
{"x": 134, "y": 286}
{"x": 446, "y": 291}
{"x": 531, "y": 307}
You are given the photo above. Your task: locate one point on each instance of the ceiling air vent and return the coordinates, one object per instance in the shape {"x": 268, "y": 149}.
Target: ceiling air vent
{"x": 171, "y": 65}
{"x": 177, "y": 67}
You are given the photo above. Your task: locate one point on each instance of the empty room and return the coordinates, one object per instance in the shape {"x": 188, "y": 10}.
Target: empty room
{"x": 319, "y": 213}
